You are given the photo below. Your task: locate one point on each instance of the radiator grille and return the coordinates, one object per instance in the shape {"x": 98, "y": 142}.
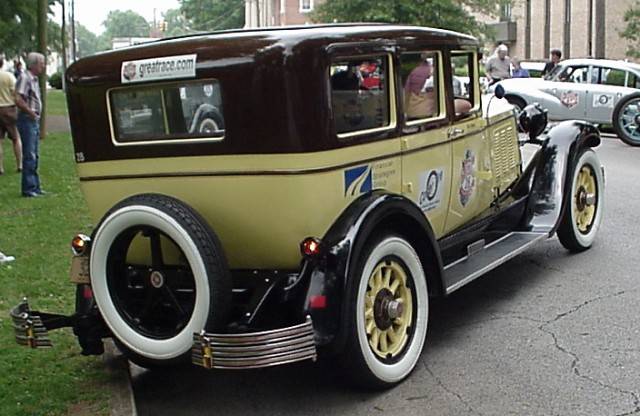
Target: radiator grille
{"x": 505, "y": 155}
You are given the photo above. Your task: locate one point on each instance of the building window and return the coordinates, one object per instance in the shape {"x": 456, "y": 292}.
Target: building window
{"x": 306, "y": 6}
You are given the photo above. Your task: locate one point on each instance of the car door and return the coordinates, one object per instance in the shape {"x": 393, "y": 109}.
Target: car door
{"x": 609, "y": 88}
{"x": 570, "y": 86}
{"x": 426, "y": 148}
{"x": 472, "y": 179}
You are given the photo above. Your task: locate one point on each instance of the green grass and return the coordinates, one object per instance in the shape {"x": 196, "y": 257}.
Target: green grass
{"x": 37, "y": 231}
{"x": 56, "y": 103}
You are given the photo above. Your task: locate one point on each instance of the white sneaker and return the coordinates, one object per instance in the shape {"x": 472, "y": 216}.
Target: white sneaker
{"x": 6, "y": 259}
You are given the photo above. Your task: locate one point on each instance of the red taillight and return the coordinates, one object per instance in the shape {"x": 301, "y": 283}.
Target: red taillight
{"x": 318, "y": 302}
{"x": 87, "y": 293}
{"x": 310, "y": 247}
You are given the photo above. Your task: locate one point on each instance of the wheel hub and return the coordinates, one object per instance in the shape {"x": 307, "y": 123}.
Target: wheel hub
{"x": 156, "y": 279}
{"x": 636, "y": 119}
{"x": 386, "y": 308}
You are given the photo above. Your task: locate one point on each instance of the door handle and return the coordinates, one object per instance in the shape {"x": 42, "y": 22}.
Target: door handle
{"x": 454, "y": 132}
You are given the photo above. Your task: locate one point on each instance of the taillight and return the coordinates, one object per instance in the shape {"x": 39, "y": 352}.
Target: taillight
{"x": 310, "y": 247}
{"x": 80, "y": 244}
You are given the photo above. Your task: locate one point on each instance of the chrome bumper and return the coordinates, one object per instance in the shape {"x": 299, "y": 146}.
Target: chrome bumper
{"x": 28, "y": 327}
{"x": 255, "y": 350}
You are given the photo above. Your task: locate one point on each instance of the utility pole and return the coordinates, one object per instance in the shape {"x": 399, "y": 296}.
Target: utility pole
{"x": 73, "y": 31}
{"x": 64, "y": 42}
{"x": 42, "y": 48}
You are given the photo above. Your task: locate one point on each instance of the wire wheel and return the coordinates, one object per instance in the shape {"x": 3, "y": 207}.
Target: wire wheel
{"x": 626, "y": 119}
{"x": 388, "y": 309}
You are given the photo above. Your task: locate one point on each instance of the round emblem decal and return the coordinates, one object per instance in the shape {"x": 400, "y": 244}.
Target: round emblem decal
{"x": 432, "y": 185}
{"x": 603, "y": 99}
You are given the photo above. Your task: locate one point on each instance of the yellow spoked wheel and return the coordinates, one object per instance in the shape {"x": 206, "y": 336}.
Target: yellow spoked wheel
{"x": 585, "y": 199}
{"x": 582, "y": 213}
{"x": 388, "y": 309}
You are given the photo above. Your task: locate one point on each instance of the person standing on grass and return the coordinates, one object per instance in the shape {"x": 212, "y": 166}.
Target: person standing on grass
{"x": 9, "y": 116}
{"x": 30, "y": 105}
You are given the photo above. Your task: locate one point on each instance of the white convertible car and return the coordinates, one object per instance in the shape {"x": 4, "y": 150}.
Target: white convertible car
{"x": 596, "y": 90}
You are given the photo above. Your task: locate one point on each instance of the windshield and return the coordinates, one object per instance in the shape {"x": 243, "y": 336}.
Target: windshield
{"x": 554, "y": 72}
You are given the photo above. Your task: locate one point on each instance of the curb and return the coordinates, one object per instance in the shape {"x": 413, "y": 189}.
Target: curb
{"x": 121, "y": 399}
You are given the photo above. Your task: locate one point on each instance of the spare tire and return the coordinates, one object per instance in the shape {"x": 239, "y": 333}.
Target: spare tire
{"x": 153, "y": 306}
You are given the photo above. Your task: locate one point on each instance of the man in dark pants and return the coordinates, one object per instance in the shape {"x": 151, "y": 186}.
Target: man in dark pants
{"x": 30, "y": 105}
{"x": 556, "y": 54}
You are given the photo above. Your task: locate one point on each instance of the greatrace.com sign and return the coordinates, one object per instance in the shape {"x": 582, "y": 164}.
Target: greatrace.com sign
{"x": 166, "y": 67}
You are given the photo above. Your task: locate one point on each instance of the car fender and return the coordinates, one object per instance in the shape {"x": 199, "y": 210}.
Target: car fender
{"x": 550, "y": 175}
{"x": 341, "y": 247}
{"x": 531, "y": 93}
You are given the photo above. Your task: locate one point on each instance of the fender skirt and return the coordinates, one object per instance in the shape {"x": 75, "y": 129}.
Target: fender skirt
{"x": 551, "y": 169}
{"x": 325, "y": 278}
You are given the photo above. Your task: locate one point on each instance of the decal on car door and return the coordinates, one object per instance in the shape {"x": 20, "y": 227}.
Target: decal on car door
{"x": 467, "y": 177}
{"x": 431, "y": 187}
{"x": 603, "y": 100}
{"x": 569, "y": 99}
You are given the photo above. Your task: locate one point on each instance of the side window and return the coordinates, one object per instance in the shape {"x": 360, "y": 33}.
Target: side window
{"x": 633, "y": 81}
{"x": 422, "y": 94}
{"x": 610, "y": 76}
{"x": 360, "y": 96}
{"x": 163, "y": 112}
{"x": 577, "y": 74}
{"x": 462, "y": 79}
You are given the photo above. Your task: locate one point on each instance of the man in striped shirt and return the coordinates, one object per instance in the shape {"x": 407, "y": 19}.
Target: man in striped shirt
{"x": 30, "y": 105}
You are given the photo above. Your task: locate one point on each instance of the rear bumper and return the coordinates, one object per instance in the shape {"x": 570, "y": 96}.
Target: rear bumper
{"x": 255, "y": 350}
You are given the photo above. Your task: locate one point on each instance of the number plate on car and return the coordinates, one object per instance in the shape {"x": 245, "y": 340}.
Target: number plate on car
{"x": 80, "y": 269}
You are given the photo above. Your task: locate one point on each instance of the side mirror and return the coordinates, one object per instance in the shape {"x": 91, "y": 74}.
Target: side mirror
{"x": 533, "y": 120}
{"x": 499, "y": 91}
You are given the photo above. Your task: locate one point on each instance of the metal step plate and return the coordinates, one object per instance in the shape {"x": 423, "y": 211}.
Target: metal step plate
{"x": 467, "y": 269}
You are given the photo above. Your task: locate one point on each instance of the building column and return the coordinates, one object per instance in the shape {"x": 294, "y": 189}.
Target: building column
{"x": 600, "y": 28}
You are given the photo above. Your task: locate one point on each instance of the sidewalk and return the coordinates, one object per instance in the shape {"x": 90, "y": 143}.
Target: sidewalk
{"x": 58, "y": 124}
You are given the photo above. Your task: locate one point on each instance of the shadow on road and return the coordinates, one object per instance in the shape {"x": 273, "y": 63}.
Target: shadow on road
{"x": 308, "y": 388}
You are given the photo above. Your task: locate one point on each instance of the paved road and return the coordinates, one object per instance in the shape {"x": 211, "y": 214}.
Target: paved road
{"x": 548, "y": 333}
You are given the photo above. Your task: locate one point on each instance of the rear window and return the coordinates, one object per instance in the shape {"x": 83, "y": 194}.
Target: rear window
{"x": 165, "y": 112}
{"x": 360, "y": 94}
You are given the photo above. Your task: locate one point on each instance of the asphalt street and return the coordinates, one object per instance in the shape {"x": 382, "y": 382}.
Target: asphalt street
{"x": 548, "y": 333}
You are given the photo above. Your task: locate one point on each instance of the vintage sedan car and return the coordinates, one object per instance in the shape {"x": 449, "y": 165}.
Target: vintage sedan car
{"x": 317, "y": 215}
{"x": 595, "y": 90}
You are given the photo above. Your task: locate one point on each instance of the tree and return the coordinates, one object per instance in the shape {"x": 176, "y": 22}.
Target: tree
{"x": 445, "y": 14}
{"x": 19, "y": 25}
{"x": 208, "y": 15}
{"x": 177, "y": 23}
{"x": 631, "y": 31}
{"x": 88, "y": 43}
{"x": 124, "y": 24}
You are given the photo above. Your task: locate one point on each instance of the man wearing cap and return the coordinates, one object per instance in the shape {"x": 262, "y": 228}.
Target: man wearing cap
{"x": 498, "y": 66}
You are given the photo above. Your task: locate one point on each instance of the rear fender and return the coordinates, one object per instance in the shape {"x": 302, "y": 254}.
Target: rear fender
{"x": 342, "y": 248}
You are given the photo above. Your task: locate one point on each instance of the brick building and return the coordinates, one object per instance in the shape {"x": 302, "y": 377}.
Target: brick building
{"x": 580, "y": 28}
{"x": 261, "y": 13}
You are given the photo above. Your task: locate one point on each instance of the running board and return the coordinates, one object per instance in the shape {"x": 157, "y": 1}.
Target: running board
{"x": 483, "y": 259}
